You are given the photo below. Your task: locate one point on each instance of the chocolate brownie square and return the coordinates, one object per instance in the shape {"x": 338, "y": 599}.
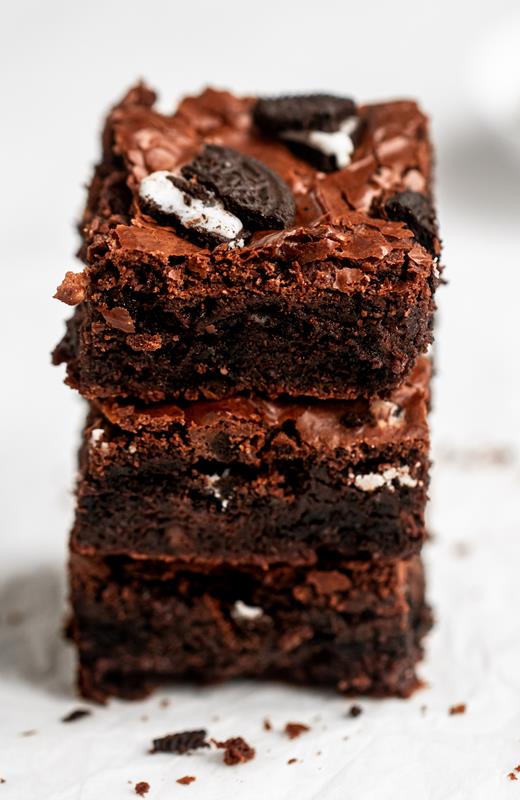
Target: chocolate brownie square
{"x": 252, "y": 480}
{"x": 282, "y": 246}
{"x": 351, "y": 625}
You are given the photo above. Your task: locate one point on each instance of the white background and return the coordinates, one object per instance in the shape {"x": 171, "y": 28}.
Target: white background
{"x": 62, "y": 64}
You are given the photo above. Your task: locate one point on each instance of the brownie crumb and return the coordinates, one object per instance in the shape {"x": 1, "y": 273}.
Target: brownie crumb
{"x": 164, "y": 703}
{"x": 2, "y": 780}
{"x": 142, "y": 788}
{"x": 295, "y": 729}
{"x": 355, "y": 711}
{"x": 77, "y": 713}
{"x": 180, "y": 742}
{"x": 267, "y": 725}
{"x": 512, "y": 776}
{"x": 517, "y": 768}
{"x": 29, "y": 733}
{"x": 292, "y": 761}
{"x": 236, "y": 750}
{"x": 460, "y": 708}
{"x": 186, "y": 780}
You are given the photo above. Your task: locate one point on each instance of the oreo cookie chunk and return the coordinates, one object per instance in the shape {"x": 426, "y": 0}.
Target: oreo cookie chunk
{"x": 222, "y": 196}
{"x": 321, "y": 128}
{"x": 417, "y": 212}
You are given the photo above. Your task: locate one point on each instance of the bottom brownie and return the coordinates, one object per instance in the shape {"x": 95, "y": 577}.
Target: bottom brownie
{"x": 356, "y": 626}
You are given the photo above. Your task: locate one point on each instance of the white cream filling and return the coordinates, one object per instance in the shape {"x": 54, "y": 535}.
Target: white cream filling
{"x": 191, "y": 212}
{"x": 331, "y": 143}
{"x": 376, "y": 480}
{"x": 96, "y": 434}
{"x": 242, "y": 611}
{"x": 213, "y": 481}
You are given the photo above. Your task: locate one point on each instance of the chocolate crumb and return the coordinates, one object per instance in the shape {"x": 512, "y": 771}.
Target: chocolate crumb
{"x": 164, "y": 703}
{"x": 512, "y": 776}
{"x": 186, "y": 780}
{"x": 29, "y": 733}
{"x": 517, "y": 768}
{"x": 236, "y": 750}
{"x": 2, "y": 780}
{"x": 460, "y": 708}
{"x": 142, "y": 788}
{"x": 180, "y": 742}
{"x": 267, "y": 725}
{"x": 292, "y": 761}
{"x": 355, "y": 711}
{"x": 77, "y": 713}
{"x": 295, "y": 729}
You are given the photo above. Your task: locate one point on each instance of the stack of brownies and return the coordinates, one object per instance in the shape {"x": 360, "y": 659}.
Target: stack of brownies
{"x": 249, "y": 332}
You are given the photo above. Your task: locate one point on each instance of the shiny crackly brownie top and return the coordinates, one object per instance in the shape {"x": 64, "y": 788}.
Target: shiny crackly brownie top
{"x": 239, "y": 173}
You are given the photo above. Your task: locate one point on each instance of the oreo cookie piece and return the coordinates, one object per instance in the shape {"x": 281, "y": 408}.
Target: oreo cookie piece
{"x": 248, "y": 188}
{"x": 417, "y": 212}
{"x": 220, "y": 196}
{"x": 321, "y": 128}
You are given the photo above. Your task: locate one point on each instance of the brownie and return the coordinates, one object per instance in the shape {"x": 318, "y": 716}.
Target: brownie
{"x": 351, "y": 625}
{"x": 313, "y": 274}
{"x": 247, "y": 479}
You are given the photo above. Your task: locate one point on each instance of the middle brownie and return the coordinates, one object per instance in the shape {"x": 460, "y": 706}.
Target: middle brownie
{"x": 247, "y": 480}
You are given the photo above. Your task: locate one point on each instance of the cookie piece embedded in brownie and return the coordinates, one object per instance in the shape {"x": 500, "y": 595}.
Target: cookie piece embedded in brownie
{"x": 249, "y": 479}
{"x": 351, "y": 625}
{"x": 322, "y": 288}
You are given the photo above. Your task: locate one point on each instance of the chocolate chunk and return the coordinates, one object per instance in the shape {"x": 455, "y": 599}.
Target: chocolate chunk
{"x": 416, "y": 211}
{"x": 142, "y": 788}
{"x": 320, "y": 128}
{"x": 355, "y": 711}
{"x": 256, "y": 194}
{"x": 236, "y": 751}
{"x": 180, "y": 742}
{"x": 219, "y": 197}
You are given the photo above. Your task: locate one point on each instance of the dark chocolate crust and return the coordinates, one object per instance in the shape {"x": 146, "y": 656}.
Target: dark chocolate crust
{"x": 354, "y": 626}
{"x": 338, "y": 306}
{"x": 250, "y": 480}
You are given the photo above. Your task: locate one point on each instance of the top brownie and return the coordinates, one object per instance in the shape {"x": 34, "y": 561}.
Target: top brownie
{"x": 283, "y": 246}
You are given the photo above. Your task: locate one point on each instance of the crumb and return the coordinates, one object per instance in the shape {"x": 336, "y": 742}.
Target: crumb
{"x": 215, "y": 718}
{"x": 355, "y": 711}
{"x": 164, "y": 703}
{"x": 29, "y": 733}
{"x": 346, "y": 738}
{"x": 318, "y": 752}
{"x": 144, "y": 718}
{"x": 77, "y": 713}
{"x": 517, "y": 768}
{"x": 512, "y": 776}
{"x": 295, "y": 729}
{"x": 186, "y": 780}
{"x": 2, "y": 780}
{"x": 142, "y": 788}
{"x": 423, "y": 710}
{"x": 460, "y": 708}
{"x": 292, "y": 761}
{"x": 180, "y": 742}
{"x": 236, "y": 750}
{"x": 267, "y": 725}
